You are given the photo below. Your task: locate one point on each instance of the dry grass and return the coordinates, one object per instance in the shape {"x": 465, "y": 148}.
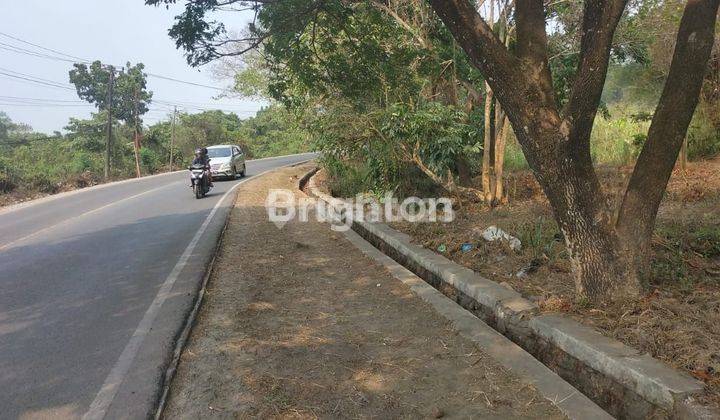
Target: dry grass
{"x": 676, "y": 320}
{"x": 300, "y": 324}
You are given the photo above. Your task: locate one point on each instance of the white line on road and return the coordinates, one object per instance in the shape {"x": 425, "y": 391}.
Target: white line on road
{"x": 104, "y": 398}
{"x": 37, "y": 232}
{"x": 53, "y": 197}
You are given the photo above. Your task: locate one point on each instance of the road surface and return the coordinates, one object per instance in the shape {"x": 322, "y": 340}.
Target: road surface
{"x": 94, "y": 288}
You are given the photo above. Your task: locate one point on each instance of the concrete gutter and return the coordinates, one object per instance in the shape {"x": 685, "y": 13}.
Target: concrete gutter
{"x": 618, "y": 378}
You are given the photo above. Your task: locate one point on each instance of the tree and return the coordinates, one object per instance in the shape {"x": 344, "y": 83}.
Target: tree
{"x": 124, "y": 95}
{"x": 551, "y": 114}
{"x": 363, "y": 58}
{"x": 607, "y": 255}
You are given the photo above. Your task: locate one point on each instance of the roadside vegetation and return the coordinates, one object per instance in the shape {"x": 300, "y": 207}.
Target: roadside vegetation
{"x": 599, "y": 149}
{"x": 33, "y": 164}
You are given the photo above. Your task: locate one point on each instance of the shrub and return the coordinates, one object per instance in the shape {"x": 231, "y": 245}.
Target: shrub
{"x": 41, "y": 181}
{"x": 703, "y": 139}
{"x": 7, "y": 179}
{"x": 81, "y": 162}
{"x": 149, "y": 160}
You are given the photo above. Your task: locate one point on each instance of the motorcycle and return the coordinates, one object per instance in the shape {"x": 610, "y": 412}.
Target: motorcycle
{"x": 199, "y": 180}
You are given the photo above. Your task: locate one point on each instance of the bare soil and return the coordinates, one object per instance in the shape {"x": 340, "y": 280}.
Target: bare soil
{"x": 297, "y": 323}
{"x": 676, "y": 320}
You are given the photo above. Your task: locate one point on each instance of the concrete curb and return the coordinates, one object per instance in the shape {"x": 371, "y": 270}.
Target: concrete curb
{"x": 624, "y": 382}
{"x": 564, "y": 396}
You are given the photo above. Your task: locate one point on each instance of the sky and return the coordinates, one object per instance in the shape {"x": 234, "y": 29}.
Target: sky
{"x": 112, "y": 31}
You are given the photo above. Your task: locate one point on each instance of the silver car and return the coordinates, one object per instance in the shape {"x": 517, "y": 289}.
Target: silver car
{"x": 226, "y": 161}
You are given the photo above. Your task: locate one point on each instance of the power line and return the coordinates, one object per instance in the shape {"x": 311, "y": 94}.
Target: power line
{"x": 42, "y": 48}
{"x": 46, "y": 105}
{"x": 167, "y": 103}
{"x": 185, "y": 82}
{"x": 34, "y": 77}
{"x": 24, "y": 99}
{"x": 20, "y": 50}
{"x": 51, "y": 84}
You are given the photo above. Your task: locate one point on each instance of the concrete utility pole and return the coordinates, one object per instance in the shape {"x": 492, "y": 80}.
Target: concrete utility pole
{"x": 108, "y": 143}
{"x": 172, "y": 138}
{"x": 136, "y": 143}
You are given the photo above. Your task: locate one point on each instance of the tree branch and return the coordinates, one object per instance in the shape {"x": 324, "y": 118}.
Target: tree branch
{"x": 532, "y": 43}
{"x": 600, "y": 20}
{"x": 672, "y": 117}
{"x": 500, "y": 68}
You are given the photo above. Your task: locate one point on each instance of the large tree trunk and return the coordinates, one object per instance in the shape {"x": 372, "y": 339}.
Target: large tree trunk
{"x": 636, "y": 219}
{"x": 606, "y": 255}
{"x": 600, "y": 265}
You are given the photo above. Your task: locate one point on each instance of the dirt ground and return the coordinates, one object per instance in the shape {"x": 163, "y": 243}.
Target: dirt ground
{"x": 676, "y": 320}
{"x": 299, "y": 324}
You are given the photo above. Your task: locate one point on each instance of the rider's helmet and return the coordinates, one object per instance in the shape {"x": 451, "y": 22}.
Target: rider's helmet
{"x": 200, "y": 152}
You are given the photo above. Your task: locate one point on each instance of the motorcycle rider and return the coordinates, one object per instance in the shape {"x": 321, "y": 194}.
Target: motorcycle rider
{"x": 201, "y": 158}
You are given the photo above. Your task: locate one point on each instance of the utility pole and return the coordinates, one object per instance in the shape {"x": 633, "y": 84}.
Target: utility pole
{"x": 172, "y": 138}
{"x": 136, "y": 143}
{"x": 108, "y": 143}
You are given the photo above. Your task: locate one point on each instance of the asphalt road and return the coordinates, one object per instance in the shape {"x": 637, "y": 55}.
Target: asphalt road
{"x": 94, "y": 288}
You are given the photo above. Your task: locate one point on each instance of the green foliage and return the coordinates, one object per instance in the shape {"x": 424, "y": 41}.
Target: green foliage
{"x": 346, "y": 178}
{"x": 382, "y": 142}
{"x": 514, "y": 157}
{"x": 82, "y": 161}
{"x": 440, "y": 133}
{"x": 542, "y": 239}
{"x": 130, "y": 94}
{"x": 274, "y": 131}
{"x": 617, "y": 140}
{"x": 7, "y": 181}
{"x": 703, "y": 137}
{"x": 149, "y": 159}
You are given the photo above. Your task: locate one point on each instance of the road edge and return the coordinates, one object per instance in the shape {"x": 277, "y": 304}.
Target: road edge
{"x": 190, "y": 321}
{"x": 52, "y": 197}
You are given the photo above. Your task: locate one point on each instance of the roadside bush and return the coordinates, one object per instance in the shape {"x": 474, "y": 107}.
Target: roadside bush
{"x": 514, "y": 157}
{"x": 81, "y": 162}
{"x": 703, "y": 139}
{"x": 149, "y": 160}
{"x": 7, "y": 181}
{"x": 345, "y": 178}
{"x": 41, "y": 182}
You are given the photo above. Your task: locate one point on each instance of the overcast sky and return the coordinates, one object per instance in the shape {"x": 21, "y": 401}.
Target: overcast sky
{"x": 113, "y": 31}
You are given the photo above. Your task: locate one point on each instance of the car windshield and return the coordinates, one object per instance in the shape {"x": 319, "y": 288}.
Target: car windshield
{"x": 220, "y": 152}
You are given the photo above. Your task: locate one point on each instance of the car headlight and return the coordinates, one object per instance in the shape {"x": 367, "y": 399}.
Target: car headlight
{"x": 225, "y": 167}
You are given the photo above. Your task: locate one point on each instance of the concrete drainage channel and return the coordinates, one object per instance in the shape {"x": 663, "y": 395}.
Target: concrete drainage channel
{"x": 621, "y": 380}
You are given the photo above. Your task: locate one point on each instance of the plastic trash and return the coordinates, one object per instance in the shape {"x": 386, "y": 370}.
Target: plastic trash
{"x": 494, "y": 233}
{"x": 466, "y": 247}
{"x": 442, "y": 248}
{"x": 530, "y": 269}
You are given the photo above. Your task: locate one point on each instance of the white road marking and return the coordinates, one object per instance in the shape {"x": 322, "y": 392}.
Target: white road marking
{"x": 104, "y": 398}
{"x": 53, "y": 197}
{"x": 43, "y": 230}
